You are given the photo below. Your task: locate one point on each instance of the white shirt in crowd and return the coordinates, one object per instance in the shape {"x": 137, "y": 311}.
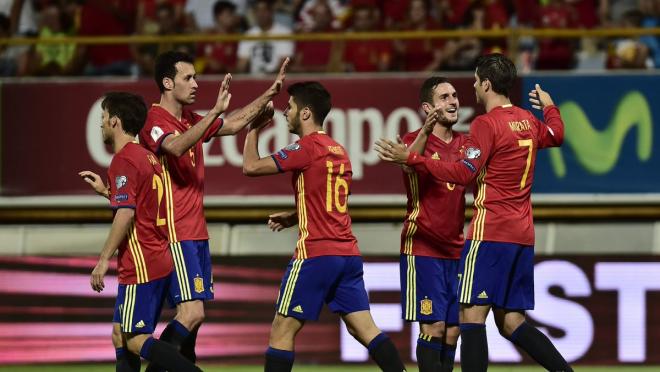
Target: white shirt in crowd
{"x": 265, "y": 55}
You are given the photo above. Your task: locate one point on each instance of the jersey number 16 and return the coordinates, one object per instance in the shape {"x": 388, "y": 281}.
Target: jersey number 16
{"x": 335, "y": 188}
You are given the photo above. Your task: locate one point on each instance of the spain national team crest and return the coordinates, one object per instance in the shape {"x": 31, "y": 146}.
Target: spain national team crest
{"x": 199, "y": 285}
{"x": 426, "y": 306}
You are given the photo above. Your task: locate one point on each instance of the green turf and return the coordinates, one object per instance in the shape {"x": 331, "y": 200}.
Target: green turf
{"x": 307, "y": 368}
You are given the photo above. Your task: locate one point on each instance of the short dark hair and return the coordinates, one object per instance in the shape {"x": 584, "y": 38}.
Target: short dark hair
{"x": 499, "y": 70}
{"x": 129, "y": 108}
{"x": 269, "y": 3}
{"x": 222, "y": 6}
{"x": 313, "y": 95}
{"x": 166, "y": 66}
{"x": 426, "y": 91}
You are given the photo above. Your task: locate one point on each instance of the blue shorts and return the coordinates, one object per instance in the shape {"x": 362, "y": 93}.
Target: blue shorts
{"x": 334, "y": 280}
{"x": 192, "y": 277}
{"x": 497, "y": 274}
{"x": 138, "y": 306}
{"x": 428, "y": 289}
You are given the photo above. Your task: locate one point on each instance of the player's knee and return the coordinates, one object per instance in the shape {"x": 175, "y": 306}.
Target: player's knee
{"x": 191, "y": 314}
{"x": 506, "y": 329}
{"x": 284, "y": 329}
{"x": 197, "y": 317}
{"x": 134, "y": 344}
{"x": 352, "y": 330}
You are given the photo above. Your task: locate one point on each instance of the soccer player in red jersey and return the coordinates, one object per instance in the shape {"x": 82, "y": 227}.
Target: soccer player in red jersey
{"x": 432, "y": 235}
{"x": 176, "y": 134}
{"x": 144, "y": 259}
{"x": 497, "y": 263}
{"x": 326, "y": 266}
{"x": 183, "y": 188}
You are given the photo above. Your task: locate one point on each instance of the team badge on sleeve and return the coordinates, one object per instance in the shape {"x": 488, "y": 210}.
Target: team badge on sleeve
{"x": 293, "y": 147}
{"x": 156, "y": 133}
{"x": 472, "y": 153}
{"x": 120, "y": 181}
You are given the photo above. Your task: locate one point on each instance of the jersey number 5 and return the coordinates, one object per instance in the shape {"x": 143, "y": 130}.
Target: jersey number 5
{"x": 530, "y": 145}
{"x": 157, "y": 184}
{"x": 340, "y": 187}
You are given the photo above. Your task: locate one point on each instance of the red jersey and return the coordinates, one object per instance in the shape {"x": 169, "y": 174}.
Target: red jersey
{"x": 436, "y": 209}
{"x": 101, "y": 19}
{"x": 184, "y": 175}
{"x": 366, "y": 55}
{"x": 500, "y": 153}
{"x": 222, "y": 53}
{"x": 321, "y": 180}
{"x": 135, "y": 179}
{"x": 314, "y": 53}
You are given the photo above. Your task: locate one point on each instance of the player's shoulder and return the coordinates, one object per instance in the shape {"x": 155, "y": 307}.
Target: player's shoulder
{"x": 155, "y": 111}
{"x": 483, "y": 120}
{"x": 155, "y": 115}
{"x": 136, "y": 154}
{"x": 521, "y": 112}
{"x": 189, "y": 114}
{"x": 410, "y": 136}
{"x": 329, "y": 145}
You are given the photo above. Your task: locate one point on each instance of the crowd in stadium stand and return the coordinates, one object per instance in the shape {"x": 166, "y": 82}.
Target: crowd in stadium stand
{"x": 64, "y": 18}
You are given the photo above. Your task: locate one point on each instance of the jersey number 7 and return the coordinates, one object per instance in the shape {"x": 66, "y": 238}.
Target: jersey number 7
{"x": 530, "y": 145}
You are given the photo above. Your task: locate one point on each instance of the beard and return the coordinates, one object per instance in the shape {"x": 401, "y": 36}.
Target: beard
{"x": 294, "y": 125}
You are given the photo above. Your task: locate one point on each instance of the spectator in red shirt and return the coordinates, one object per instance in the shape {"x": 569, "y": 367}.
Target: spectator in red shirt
{"x": 419, "y": 54}
{"x": 103, "y": 18}
{"x": 553, "y": 53}
{"x": 462, "y": 53}
{"x": 367, "y": 55}
{"x": 166, "y": 25}
{"x": 146, "y": 20}
{"x": 316, "y": 55}
{"x": 220, "y": 57}
{"x": 394, "y": 13}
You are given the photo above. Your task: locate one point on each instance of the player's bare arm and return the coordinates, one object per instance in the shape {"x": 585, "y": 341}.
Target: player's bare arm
{"x": 120, "y": 225}
{"x": 253, "y": 164}
{"x": 282, "y": 220}
{"x": 178, "y": 145}
{"x": 247, "y": 115}
{"x": 539, "y": 98}
{"x": 95, "y": 181}
{"x": 391, "y": 151}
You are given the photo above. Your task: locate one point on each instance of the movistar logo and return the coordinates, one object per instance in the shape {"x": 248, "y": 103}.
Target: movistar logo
{"x": 598, "y": 151}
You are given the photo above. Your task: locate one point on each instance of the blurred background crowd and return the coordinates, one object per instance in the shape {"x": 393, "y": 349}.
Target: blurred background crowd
{"x": 66, "y": 18}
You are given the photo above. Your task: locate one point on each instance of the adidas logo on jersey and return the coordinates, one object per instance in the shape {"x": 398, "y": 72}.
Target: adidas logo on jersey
{"x": 140, "y": 324}
{"x": 298, "y": 309}
{"x": 482, "y": 295}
